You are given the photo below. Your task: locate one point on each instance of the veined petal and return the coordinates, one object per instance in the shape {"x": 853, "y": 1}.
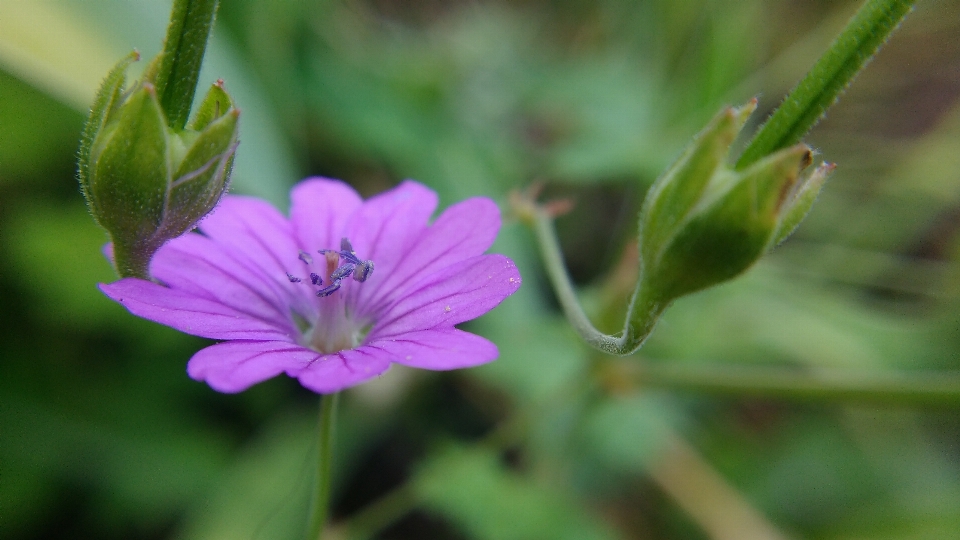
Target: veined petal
{"x": 196, "y": 265}
{"x": 319, "y": 210}
{"x": 459, "y": 293}
{"x": 188, "y": 313}
{"x": 333, "y": 372}
{"x": 464, "y": 230}
{"x": 252, "y": 228}
{"x": 258, "y": 237}
{"x": 439, "y": 349}
{"x": 234, "y": 366}
{"x": 383, "y": 230}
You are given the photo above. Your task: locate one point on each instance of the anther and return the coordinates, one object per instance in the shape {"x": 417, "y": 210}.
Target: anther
{"x": 293, "y": 278}
{"x": 352, "y": 265}
{"x": 342, "y": 272}
{"x": 305, "y": 257}
{"x": 329, "y": 289}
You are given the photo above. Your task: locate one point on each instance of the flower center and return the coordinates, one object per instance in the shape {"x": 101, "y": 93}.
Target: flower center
{"x": 334, "y": 328}
{"x": 353, "y": 265}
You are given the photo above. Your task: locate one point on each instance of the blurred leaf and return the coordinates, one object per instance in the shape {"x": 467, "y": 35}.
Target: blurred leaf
{"x": 35, "y": 129}
{"x": 625, "y": 433}
{"x": 263, "y": 494}
{"x": 146, "y": 470}
{"x": 764, "y": 318}
{"x": 472, "y": 489}
{"x": 47, "y": 46}
{"x": 538, "y": 360}
{"x": 56, "y": 254}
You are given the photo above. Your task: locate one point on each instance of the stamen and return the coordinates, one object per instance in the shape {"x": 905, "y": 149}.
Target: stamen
{"x": 342, "y": 272}
{"x": 363, "y": 271}
{"x": 352, "y": 265}
{"x": 329, "y": 289}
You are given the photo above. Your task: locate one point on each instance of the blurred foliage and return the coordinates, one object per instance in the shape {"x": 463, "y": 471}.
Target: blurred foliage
{"x": 102, "y": 435}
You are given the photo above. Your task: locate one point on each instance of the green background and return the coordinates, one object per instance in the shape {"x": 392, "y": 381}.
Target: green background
{"x": 102, "y": 434}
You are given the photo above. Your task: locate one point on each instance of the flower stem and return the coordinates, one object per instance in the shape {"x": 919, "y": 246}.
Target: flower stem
{"x": 642, "y": 314}
{"x": 190, "y": 24}
{"x": 321, "y": 494}
{"x": 806, "y": 104}
{"x": 130, "y": 262}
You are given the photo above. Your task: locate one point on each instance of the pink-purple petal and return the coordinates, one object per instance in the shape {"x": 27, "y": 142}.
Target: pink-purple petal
{"x": 459, "y": 293}
{"x": 254, "y": 232}
{"x": 188, "y": 313}
{"x": 319, "y": 211}
{"x": 464, "y": 230}
{"x": 383, "y": 230}
{"x": 234, "y": 366}
{"x": 439, "y": 349}
{"x": 196, "y": 265}
{"x": 333, "y": 372}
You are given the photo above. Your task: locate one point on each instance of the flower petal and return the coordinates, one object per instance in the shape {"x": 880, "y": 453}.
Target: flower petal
{"x": 459, "y": 293}
{"x": 196, "y": 265}
{"x": 260, "y": 238}
{"x": 464, "y": 230}
{"x": 235, "y": 366}
{"x": 383, "y": 230}
{"x": 439, "y": 349}
{"x": 334, "y": 372}
{"x": 188, "y": 313}
{"x": 254, "y": 228}
{"x": 319, "y": 210}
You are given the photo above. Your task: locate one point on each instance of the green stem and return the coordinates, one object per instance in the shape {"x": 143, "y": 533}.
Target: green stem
{"x": 834, "y": 71}
{"x": 642, "y": 314}
{"x": 319, "y": 507}
{"x": 819, "y": 385}
{"x": 190, "y": 24}
{"x": 132, "y": 260}
{"x": 381, "y": 513}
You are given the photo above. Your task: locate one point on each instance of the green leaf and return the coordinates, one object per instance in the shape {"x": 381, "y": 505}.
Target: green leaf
{"x": 472, "y": 488}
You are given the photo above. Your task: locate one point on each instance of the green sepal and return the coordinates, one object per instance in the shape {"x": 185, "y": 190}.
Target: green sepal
{"x": 729, "y": 229}
{"x": 107, "y": 99}
{"x": 214, "y": 105}
{"x": 673, "y": 196}
{"x": 203, "y": 175}
{"x": 130, "y": 167}
{"x": 799, "y": 202}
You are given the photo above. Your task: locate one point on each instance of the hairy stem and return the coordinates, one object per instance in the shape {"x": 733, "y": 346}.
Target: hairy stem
{"x": 190, "y": 24}
{"x": 806, "y": 104}
{"x": 642, "y": 314}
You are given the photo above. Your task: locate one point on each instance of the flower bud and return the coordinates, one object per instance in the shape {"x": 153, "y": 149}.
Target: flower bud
{"x": 704, "y": 222}
{"x": 146, "y": 183}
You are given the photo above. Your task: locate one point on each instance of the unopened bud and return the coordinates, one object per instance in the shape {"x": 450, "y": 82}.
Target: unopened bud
{"x": 704, "y": 222}
{"x": 146, "y": 183}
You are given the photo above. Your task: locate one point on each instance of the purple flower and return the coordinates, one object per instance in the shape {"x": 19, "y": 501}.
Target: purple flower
{"x": 251, "y": 278}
